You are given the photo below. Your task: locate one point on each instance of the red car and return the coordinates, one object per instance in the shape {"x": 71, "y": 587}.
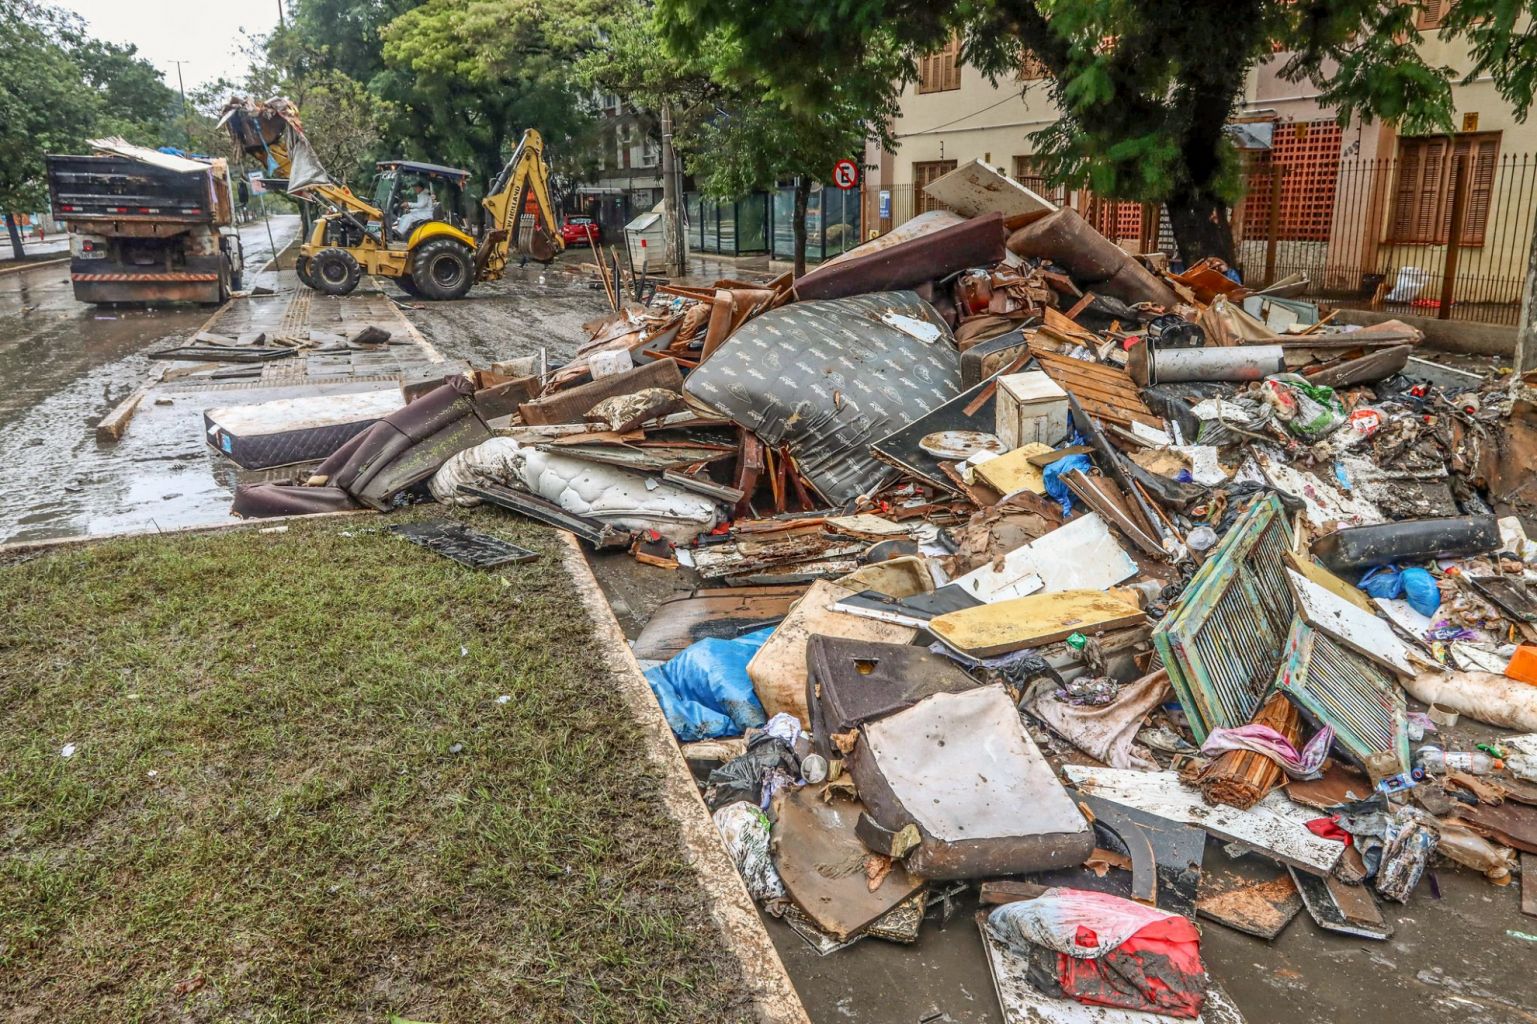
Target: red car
{"x": 580, "y": 229}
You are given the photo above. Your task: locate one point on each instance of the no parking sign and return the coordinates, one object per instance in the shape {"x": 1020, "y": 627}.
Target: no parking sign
{"x": 846, "y": 174}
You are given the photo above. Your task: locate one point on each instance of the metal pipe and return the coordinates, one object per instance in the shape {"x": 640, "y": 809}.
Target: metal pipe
{"x": 1237, "y": 362}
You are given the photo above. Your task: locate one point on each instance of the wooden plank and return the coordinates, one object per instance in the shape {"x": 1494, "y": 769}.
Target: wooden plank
{"x": 115, "y": 423}
{"x": 571, "y": 405}
{"x": 1330, "y": 582}
{"x": 1013, "y": 625}
{"x": 1262, "y": 909}
{"x": 1529, "y": 884}
{"x": 1274, "y": 826}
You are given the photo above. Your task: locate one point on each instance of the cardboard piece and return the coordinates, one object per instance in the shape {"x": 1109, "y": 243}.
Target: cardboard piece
{"x": 1039, "y": 619}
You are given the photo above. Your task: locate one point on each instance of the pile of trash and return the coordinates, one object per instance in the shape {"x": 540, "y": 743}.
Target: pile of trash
{"x": 1024, "y": 565}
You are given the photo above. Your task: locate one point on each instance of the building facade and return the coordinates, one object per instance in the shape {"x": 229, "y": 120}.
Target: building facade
{"x": 1363, "y": 211}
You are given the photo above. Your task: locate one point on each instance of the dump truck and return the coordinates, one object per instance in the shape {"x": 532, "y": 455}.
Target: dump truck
{"x": 430, "y": 253}
{"x": 146, "y": 226}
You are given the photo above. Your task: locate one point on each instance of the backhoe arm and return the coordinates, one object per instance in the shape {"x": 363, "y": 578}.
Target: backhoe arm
{"x": 272, "y": 133}
{"x": 519, "y": 211}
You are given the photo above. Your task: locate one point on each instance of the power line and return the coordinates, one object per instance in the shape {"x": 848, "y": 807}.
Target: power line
{"x": 963, "y": 117}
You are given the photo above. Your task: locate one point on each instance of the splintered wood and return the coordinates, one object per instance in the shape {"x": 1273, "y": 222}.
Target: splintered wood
{"x": 1241, "y": 778}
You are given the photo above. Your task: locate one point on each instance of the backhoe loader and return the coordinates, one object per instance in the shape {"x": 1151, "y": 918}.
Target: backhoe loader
{"x": 429, "y": 251}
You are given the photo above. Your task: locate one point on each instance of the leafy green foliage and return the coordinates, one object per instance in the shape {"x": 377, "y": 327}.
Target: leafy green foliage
{"x": 1145, "y": 86}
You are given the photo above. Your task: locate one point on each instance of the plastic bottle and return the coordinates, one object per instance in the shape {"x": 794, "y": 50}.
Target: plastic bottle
{"x": 1477, "y": 853}
{"x": 1436, "y": 761}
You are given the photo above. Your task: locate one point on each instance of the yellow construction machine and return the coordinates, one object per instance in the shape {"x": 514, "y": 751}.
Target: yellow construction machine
{"x": 412, "y": 229}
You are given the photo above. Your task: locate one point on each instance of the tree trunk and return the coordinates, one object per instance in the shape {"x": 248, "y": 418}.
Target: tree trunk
{"x": 1201, "y": 228}
{"x": 802, "y": 199}
{"x": 15, "y": 233}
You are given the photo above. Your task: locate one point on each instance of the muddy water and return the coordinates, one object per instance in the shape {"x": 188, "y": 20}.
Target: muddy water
{"x": 63, "y": 366}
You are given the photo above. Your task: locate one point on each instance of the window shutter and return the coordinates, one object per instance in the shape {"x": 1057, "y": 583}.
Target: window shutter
{"x": 1409, "y": 158}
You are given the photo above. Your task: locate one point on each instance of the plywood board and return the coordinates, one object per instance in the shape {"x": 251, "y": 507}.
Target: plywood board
{"x": 975, "y": 188}
{"x": 822, "y": 863}
{"x": 1346, "y": 623}
{"x": 1274, "y": 826}
{"x": 1035, "y": 620}
{"x": 1262, "y": 909}
{"x": 1023, "y": 1003}
{"x": 1079, "y": 555}
{"x": 1013, "y": 471}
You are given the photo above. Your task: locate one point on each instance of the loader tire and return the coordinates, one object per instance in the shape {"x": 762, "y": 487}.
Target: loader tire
{"x": 335, "y": 271}
{"x": 302, "y": 271}
{"x": 443, "y": 269}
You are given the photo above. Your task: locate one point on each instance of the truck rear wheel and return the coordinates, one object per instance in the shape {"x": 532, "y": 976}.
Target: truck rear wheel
{"x": 336, "y": 271}
{"x": 302, "y": 271}
{"x": 443, "y": 269}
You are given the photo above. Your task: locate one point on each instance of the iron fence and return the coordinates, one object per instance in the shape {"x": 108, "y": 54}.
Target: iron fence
{"x": 1443, "y": 229}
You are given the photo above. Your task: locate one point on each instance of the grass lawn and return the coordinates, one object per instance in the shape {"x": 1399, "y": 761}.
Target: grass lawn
{"x": 326, "y": 775}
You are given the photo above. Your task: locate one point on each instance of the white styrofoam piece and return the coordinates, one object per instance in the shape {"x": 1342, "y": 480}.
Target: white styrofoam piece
{"x": 1205, "y": 468}
{"x": 1274, "y": 825}
{"x": 1079, "y": 555}
{"x": 1362, "y": 632}
{"x": 1152, "y": 435}
{"x": 975, "y": 188}
{"x": 1023, "y": 1003}
{"x": 911, "y": 325}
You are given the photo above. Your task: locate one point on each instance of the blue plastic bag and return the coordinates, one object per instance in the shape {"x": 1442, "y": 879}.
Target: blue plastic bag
{"x": 1055, "y": 487}
{"x": 704, "y": 690}
{"x": 1420, "y": 591}
{"x": 1385, "y": 581}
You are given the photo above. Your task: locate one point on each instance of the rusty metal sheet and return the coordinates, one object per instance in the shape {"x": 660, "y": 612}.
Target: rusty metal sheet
{"x": 823, "y": 864}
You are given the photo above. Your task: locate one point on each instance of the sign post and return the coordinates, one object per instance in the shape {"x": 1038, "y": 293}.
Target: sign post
{"x": 846, "y": 174}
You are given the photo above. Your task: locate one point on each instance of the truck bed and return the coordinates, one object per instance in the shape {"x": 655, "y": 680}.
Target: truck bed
{"x": 114, "y": 188}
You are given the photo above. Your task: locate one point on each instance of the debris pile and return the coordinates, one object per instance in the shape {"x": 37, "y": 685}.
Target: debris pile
{"x": 1025, "y": 565}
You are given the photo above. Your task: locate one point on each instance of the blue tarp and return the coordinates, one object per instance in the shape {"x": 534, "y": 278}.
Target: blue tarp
{"x": 704, "y": 690}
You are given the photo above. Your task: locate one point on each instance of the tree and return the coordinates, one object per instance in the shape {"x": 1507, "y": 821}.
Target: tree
{"x": 136, "y": 103}
{"x": 43, "y": 106}
{"x": 736, "y": 138}
{"x": 1145, "y": 87}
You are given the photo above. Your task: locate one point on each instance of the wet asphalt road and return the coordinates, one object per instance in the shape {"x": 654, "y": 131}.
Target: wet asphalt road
{"x": 63, "y": 366}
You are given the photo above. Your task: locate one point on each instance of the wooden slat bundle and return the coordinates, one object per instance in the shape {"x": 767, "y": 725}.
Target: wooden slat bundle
{"x": 1241, "y": 778}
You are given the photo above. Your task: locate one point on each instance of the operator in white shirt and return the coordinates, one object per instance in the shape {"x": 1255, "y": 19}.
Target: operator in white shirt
{"x": 419, "y": 212}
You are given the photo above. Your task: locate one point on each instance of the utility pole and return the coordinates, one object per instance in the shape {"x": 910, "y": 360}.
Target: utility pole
{"x": 186, "y": 120}
{"x": 672, "y": 211}
{"x": 1526, "y": 326}
{"x": 280, "y": 15}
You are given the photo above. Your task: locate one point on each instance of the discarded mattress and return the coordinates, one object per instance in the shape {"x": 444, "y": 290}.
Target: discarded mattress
{"x": 293, "y": 430}
{"x": 975, "y": 242}
{"x": 613, "y": 495}
{"x": 398, "y": 452}
{"x": 962, "y": 768}
{"x": 1094, "y": 261}
{"x": 830, "y": 377}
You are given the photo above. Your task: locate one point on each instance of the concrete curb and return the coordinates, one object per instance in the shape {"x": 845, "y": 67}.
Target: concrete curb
{"x": 741, "y": 930}
{"x": 33, "y": 266}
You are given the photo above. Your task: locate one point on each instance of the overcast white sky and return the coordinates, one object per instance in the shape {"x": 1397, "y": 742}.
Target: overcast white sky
{"x": 206, "y": 34}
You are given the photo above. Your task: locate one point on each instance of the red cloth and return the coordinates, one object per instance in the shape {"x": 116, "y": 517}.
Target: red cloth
{"x": 1328, "y": 828}
{"x": 1157, "y": 970}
